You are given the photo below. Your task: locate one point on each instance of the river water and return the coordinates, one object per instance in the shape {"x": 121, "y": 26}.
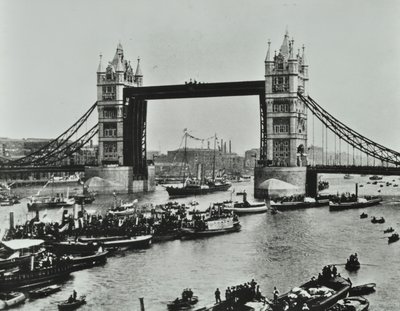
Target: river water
{"x": 282, "y": 250}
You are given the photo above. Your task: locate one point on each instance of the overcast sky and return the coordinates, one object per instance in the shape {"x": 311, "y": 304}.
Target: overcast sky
{"x": 49, "y": 52}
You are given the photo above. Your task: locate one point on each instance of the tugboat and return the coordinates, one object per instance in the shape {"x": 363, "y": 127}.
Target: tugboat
{"x": 393, "y": 238}
{"x": 245, "y": 207}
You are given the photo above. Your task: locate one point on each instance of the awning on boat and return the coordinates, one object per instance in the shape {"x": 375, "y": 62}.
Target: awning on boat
{"x": 22, "y": 243}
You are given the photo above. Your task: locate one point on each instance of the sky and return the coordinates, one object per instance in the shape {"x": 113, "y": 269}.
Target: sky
{"x": 49, "y": 53}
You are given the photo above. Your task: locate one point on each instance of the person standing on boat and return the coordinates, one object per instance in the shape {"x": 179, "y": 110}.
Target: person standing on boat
{"x": 74, "y": 294}
{"x": 217, "y": 296}
{"x": 276, "y": 294}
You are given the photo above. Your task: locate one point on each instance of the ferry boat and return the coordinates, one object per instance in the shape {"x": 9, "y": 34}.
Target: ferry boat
{"x": 376, "y": 177}
{"x": 210, "y": 227}
{"x": 23, "y": 279}
{"x": 16, "y": 252}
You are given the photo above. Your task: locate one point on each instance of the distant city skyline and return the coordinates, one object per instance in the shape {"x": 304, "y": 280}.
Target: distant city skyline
{"x": 49, "y": 64}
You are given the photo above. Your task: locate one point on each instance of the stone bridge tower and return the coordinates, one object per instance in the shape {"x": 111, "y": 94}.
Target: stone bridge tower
{"x": 111, "y": 81}
{"x": 286, "y": 74}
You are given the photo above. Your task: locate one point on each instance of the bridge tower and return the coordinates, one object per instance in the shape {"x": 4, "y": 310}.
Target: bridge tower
{"x": 283, "y": 152}
{"x": 112, "y": 167}
{"x": 111, "y": 81}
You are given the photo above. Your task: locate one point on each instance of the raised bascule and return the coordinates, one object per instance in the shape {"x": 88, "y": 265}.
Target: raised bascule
{"x": 283, "y": 103}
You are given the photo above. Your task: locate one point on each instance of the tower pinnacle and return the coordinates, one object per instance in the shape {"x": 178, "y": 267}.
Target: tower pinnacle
{"x": 284, "y": 50}
{"x": 268, "y": 57}
{"x": 100, "y": 67}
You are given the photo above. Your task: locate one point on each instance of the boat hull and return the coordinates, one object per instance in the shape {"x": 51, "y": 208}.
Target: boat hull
{"x": 262, "y": 208}
{"x": 187, "y": 191}
{"x": 192, "y": 233}
{"x": 351, "y": 205}
{"x": 287, "y": 206}
{"x": 85, "y": 262}
{"x": 35, "y": 278}
{"x": 132, "y": 243}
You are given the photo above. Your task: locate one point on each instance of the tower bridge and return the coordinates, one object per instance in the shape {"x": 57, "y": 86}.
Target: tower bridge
{"x": 284, "y": 106}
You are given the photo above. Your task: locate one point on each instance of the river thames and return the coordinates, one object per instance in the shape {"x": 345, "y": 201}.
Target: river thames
{"x": 282, "y": 250}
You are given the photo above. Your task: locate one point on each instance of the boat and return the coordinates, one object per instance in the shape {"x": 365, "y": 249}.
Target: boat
{"x": 44, "y": 291}
{"x": 375, "y": 177}
{"x": 39, "y": 276}
{"x": 186, "y": 302}
{"x": 124, "y": 209}
{"x": 72, "y": 305}
{"x": 11, "y": 299}
{"x": 354, "y": 202}
{"x": 166, "y": 236}
{"x": 191, "y": 186}
{"x": 364, "y": 215}
{"x": 352, "y": 265}
{"x": 393, "y": 238}
{"x": 375, "y": 220}
{"x": 318, "y": 294}
{"x": 210, "y": 227}
{"x": 348, "y": 176}
{"x": 388, "y": 230}
{"x": 246, "y": 207}
{"x": 18, "y": 252}
{"x": 71, "y": 180}
{"x": 291, "y": 203}
{"x": 362, "y": 289}
{"x": 84, "y": 198}
{"x": 322, "y": 185}
{"x": 141, "y": 241}
{"x": 351, "y": 304}
{"x": 102, "y": 239}
{"x": 72, "y": 247}
{"x": 40, "y": 202}
{"x": 85, "y": 262}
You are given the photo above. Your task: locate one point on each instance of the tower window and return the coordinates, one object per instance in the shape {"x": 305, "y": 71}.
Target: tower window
{"x": 110, "y": 113}
{"x": 110, "y": 129}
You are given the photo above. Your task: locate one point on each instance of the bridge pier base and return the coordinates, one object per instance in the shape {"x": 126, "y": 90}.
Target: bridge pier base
{"x": 293, "y": 175}
{"x": 106, "y": 180}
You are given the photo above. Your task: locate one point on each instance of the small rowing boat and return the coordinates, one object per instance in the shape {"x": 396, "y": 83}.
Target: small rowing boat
{"x": 362, "y": 289}
{"x": 11, "y": 299}
{"x": 351, "y": 304}
{"x": 44, "y": 292}
{"x": 72, "y": 305}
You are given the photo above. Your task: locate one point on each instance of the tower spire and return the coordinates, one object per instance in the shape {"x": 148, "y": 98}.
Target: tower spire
{"x": 268, "y": 57}
{"x": 291, "y": 48}
{"x": 285, "y": 45}
{"x": 138, "y": 72}
{"x": 100, "y": 67}
{"x": 304, "y": 63}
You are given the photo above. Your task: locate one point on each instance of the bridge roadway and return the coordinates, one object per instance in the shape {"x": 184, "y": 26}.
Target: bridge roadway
{"x": 22, "y": 172}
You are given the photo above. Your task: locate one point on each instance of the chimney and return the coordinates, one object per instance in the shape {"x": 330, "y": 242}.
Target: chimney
{"x": 230, "y": 146}
{"x": 224, "y": 147}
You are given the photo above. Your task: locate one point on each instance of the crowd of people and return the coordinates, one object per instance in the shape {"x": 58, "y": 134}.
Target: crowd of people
{"x": 240, "y": 294}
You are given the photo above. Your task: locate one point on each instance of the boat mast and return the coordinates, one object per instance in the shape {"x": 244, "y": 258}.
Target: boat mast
{"x": 213, "y": 170}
